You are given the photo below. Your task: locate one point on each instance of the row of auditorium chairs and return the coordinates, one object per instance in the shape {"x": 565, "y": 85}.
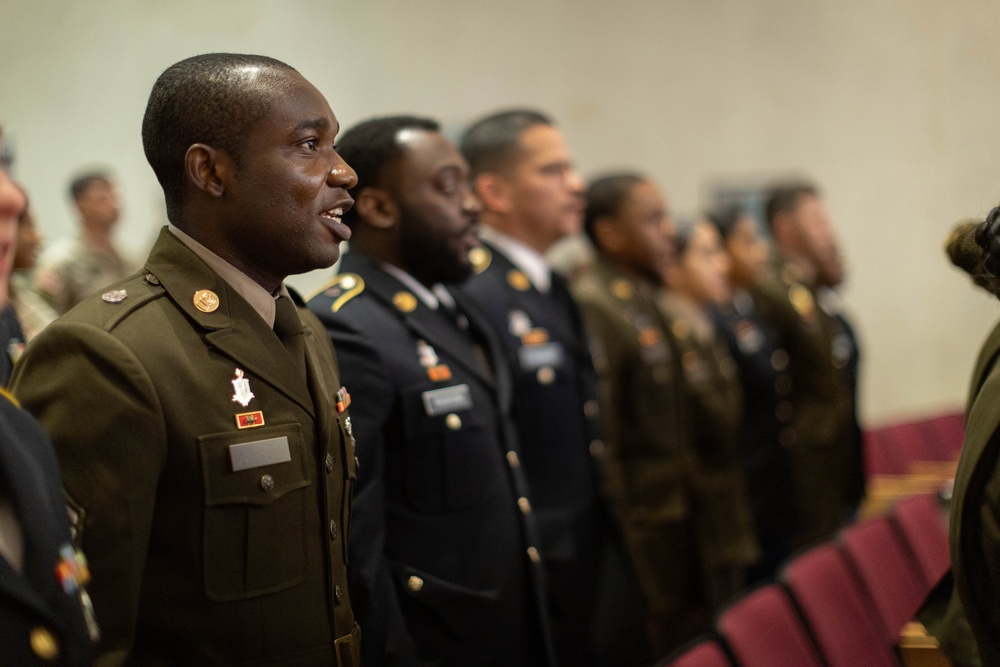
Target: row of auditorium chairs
{"x": 840, "y": 604}
{"x": 894, "y": 449}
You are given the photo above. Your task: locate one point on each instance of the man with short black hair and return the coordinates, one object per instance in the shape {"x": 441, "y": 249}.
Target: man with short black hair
{"x": 72, "y": 269}
{"x": 195, "y": 406}
{"x": 823, "y": 438}
{"x": 445, "y": 549}
{"x": 532, "y": 197}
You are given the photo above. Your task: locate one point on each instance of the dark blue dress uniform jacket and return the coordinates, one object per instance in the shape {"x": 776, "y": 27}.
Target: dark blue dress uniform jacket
{"x": 40, "y": 623}
{"x": 444, "y": 551}
{"x": 556, "y": 411}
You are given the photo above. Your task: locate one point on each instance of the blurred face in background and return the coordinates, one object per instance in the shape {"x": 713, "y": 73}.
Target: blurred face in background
{"x": 29, "y": 242}
{"x": 641, "y": 233}
{"x": 12, "y": 203}
{"x": 748, "y": 253}
{"x": 702, "y": 270}
{"x": 814, "y": 241}
{"x": 98, "y": 205}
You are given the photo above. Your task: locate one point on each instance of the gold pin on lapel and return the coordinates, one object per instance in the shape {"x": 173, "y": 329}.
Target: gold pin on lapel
{"x": 518, "y": 280}
{"x": 404, "y": 302}
{"x": 206, "y": 300}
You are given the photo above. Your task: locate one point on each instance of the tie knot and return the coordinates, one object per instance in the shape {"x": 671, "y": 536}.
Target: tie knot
{"x": 286, "y": 318}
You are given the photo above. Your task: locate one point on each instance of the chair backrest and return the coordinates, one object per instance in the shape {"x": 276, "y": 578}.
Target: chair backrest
{"x": 836, "y": 611}
{"x": 947, "y": 431}
{"x": 922, "y": 526}
{"x": 705, "y": 653}
{"x": 911, "y": 442}
{"x": 888, "y": 572}
{"x": 763, "y": 629}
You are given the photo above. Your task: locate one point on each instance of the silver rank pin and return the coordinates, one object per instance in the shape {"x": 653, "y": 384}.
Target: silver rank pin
{"x": 114, "y": 296}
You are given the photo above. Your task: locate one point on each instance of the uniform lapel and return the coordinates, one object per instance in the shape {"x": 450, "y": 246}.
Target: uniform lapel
{"x": 235, "y": 329}
{"x": 436, "y": 328}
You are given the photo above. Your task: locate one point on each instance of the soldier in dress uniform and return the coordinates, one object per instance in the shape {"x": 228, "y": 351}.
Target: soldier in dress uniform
{"x": 712, "y": 408}
{"x": 649, "y": 459}
{"x": 196, "y": 411}
{"x": 763, "y": 372}
{"x": 531, "y": 197}
{"x": 45, "y": 613}
{"x": 821, "y": 442}
{"x": 446, "y": 553}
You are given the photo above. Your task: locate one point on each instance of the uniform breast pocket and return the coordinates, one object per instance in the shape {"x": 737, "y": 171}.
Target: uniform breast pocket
{"x": 452, "y": 459}
{"x": 255, "y": 511}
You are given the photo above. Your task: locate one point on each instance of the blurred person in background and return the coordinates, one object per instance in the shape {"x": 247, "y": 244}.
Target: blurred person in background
{"x": 71, "y": 269}
{"x": 32, "y": 309}
{"x": 44, "y": 607}
{"x": 531, "y": 197}
{"x": 711, "y": 408}
{"x": 822, "y": 439}
{"x": 763, "y": 372}
{"x": 649, "y": 461}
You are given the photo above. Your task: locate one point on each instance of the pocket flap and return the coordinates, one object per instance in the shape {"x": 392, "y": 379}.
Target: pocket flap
{"x": 253, "y": 468}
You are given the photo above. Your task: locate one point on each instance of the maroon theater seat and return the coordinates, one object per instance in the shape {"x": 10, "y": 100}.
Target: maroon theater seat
{"x": 706, "y": 653}
{"x": 919, "y": 521}
{"x": 763, "y": 629}
{"x": 888, "y": 571}
{"x": 836, "y": 611}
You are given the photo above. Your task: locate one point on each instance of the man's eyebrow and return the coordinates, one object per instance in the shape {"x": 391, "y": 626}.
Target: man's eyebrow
{"x": 312, "y": 124}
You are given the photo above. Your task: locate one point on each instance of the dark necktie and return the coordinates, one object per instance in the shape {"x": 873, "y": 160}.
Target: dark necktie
{"x": 288, "y": 327}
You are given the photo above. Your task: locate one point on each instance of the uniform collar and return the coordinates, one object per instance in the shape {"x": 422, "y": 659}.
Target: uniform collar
{"x": 259, "y": 298}
{"x": 525, "y": 258}
{"x": 431, "y": 298}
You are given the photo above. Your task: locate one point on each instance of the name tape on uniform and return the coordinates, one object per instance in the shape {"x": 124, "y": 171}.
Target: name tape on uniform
{"x": 447, "y": 399}
{"x": 533, "y": 357}
{"x": 259, "y": 453}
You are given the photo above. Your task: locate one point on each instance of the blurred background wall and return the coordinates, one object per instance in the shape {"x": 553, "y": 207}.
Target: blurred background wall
{"x": 892, "y": 106}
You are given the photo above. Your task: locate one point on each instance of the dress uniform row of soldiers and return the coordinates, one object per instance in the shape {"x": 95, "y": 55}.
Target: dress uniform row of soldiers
{"x": 487, "y": 467}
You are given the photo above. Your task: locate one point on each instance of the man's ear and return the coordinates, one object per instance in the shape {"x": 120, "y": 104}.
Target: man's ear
{"x": 376, "y": 207}
{"x": 494, "y": 192}
{"x": 208, "y": 169}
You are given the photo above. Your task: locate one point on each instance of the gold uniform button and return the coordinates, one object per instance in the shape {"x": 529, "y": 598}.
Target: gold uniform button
{"x": 783, "y": 411}
{"x": 267, "y": 482}
{"x": 779, "y": 360}
{"x": 591, "y": 409}
{"x": 783, "y": 385}
{"x": 453, "y": 421}
{"x": 415, "y": 584}
{"x": 44, "y": 644}
{"x": 546, "y": 375}
{"x": 329, "y": 462}
{"x": 534, "y": 556}
{"x": 513, "y": 461}
{"x": 333, "y": 529}
{"x": 525, "y": 506}
{"x": 338, "y": 594}
{"x": 597, "y": 448}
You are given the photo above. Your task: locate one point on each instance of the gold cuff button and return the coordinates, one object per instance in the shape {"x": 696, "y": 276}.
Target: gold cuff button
{"x": 453, "y": 421}
{"x": 415, "y": 584}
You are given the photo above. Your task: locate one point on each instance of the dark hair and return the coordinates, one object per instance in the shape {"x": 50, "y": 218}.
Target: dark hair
{"x": 371, "y": 148}
{"x": 984, "y": 265}
{"x": 785, "y": 198}
{"x": 82, "y": 183}
{"x": 726, "y": 220}
{"x": 605, "y": 196}
{"x": 493, "y": 143}
{"x": 210, "y": 99}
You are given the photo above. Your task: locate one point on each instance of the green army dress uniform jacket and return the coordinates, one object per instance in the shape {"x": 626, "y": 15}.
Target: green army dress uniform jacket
{"x": 712, "y": 405}
{"x": 975, "y": 525}
{"x": 819, "y": 438}
{"x": 648, "y": 462}
{"x": 209, "y": 481}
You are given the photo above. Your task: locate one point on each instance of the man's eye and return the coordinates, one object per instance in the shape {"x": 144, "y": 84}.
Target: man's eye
{"x": 310, "y": 144}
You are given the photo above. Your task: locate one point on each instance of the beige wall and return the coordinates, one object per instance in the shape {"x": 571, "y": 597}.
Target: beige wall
{"x": 891, "y": 105}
